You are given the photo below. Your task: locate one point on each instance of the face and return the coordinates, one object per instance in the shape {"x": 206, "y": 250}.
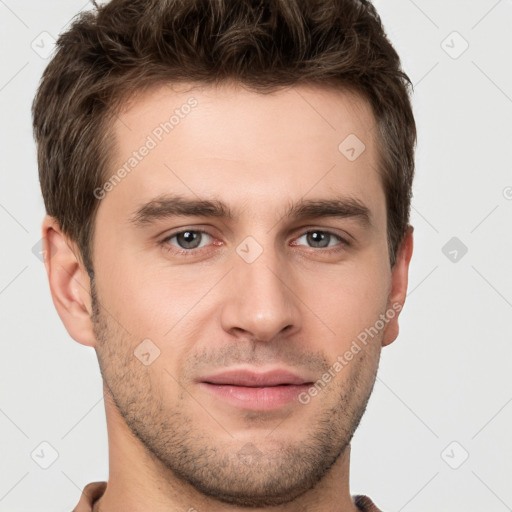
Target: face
{"x": 238, "y": 262}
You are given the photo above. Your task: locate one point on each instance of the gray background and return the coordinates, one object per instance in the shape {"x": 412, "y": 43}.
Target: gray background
{"x": 444, "y": 389}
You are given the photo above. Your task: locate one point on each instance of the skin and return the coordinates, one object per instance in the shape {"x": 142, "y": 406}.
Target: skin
{"x": 299, "y": 305}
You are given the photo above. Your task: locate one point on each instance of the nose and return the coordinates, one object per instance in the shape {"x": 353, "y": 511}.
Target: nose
{"x": 259, "y": 302}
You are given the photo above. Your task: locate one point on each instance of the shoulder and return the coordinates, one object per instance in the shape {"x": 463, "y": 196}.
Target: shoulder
{"x": 91, "y": 493}
{"x": 365, "y": 504}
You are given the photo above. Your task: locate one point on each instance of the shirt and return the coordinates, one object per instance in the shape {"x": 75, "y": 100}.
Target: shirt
{"x": 93, "y": 492}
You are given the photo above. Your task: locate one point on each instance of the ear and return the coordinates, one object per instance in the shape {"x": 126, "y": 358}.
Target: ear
{"x": 399, "y": 280}
{"x": 69, "y": 282}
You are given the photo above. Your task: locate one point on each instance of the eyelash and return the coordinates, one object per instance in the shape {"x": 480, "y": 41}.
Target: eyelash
{"x": 192, "y": 252}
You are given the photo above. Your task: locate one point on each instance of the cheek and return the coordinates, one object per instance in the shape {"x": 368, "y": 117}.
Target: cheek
{"x": 167, "y": 305}
{"x": 131, "y": 288}
{"x": 351, "y": 298}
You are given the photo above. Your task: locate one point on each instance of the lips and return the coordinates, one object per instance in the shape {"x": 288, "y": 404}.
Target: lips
{"x": 246, "y": 389}
{"x": 246, "y": 378}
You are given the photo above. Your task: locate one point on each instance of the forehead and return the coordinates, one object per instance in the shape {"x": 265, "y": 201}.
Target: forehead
{"x": 305, "y": 111}
{"x": 206, "y": 141}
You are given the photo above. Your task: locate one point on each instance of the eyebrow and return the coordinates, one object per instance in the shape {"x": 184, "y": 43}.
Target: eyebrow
{"x": 167, "y": 206}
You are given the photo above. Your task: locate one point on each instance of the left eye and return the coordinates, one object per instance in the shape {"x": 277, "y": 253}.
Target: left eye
{"x": 320, "y": 239}
{"x": 189, "y": 239}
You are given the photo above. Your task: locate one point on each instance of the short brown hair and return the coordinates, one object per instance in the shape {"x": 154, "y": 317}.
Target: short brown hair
{"x": 127, "y": 46}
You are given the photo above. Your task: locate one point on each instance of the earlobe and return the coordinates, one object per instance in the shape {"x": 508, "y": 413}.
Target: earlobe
{"x": 69, "y": 282}
{"x": 399, "y": 281}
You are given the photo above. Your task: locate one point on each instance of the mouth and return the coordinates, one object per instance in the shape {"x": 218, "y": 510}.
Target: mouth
{"x": 251, "y": 390}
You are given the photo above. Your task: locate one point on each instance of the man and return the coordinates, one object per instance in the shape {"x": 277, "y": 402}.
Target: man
{"x": 228, "y": 188}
